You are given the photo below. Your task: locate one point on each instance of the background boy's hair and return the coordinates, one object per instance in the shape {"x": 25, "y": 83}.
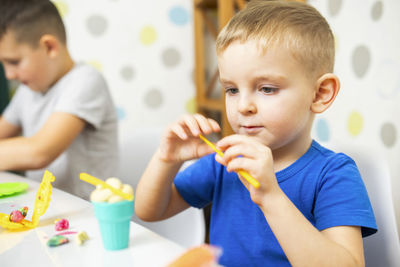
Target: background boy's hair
{"x": 29, "y": 20}
{"x": 296, "y": 26}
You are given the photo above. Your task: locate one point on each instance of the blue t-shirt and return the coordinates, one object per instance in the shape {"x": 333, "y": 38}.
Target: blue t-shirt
{"x": 325, "y": 186}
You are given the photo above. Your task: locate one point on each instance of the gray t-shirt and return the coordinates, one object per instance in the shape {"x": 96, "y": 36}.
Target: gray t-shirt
{"x": 84, "y": 93}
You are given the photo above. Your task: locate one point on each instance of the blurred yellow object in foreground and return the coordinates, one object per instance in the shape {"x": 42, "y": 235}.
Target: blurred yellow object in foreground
{"x": 41, "y": 204}
{"x": 200, "y": 256}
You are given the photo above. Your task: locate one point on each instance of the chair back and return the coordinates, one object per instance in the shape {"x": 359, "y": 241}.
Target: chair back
{"x": 383, "y": 247}
{"x": 186, "y": 228}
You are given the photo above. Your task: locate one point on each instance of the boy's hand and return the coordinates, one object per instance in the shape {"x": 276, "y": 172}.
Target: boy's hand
{"x": 181, "y": 141}
{"x": 246, "y": 153}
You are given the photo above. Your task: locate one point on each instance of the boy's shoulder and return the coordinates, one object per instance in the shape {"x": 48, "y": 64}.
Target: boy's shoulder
{"x": 329, "y": 154}
{"x": 84, "y": 69}
{"x": 81, "y": 76}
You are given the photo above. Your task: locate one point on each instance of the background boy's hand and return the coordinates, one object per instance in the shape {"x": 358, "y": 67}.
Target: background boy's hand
{"x": 181, "y": 142}
{"x": 246, "y": 153}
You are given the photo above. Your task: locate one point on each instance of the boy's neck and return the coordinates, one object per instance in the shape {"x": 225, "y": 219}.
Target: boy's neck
{"x": 66, "y": 64}
{"x": 289, "y": 153}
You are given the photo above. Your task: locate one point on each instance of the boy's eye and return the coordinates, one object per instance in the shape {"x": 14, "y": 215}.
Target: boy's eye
{"x": 12, "y": 62}
{"x": 231, "y": 91}
{"x": 268, "y": 90}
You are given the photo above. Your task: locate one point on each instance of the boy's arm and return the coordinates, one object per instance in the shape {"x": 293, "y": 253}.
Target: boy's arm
{"x": 156, "y": 196}
{"x": 7, "y": 129}
{"x": 336, "y": 246}
{"x": 24, "y": 153}
{"x": 303, "y": 244}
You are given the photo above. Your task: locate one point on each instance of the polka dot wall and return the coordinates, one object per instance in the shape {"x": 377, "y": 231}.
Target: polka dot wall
{"x": 145, "y": 51}
{"x": 368, "y": 65}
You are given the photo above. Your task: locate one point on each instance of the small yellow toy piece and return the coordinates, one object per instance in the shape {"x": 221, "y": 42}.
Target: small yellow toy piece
{"x": 41, "y": 204}
{"x": 81, "y": 237}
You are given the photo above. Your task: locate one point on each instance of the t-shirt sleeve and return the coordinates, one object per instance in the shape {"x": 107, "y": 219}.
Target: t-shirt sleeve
{"x": 86, "y": 97}
{"x": 342, "y": 198}
{"x": 196, "y": 183}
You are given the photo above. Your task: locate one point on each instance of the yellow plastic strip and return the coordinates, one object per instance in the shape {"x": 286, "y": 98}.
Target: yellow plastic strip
{"x": 244, "y": 174}
{"x": 95, "y": 181}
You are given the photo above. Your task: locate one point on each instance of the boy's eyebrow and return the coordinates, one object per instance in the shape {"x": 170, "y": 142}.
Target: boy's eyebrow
{"x": 8, "y": 59}
{"x": 268, "y": 77}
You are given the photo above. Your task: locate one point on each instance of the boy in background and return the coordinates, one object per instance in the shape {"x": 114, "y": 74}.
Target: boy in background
{"x": 275, "y": 61}
{"x": 62, "y": 117}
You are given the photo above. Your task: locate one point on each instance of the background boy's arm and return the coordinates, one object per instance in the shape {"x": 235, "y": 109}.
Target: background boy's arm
{"x": 7, "y": 129}
{"x": 24, "y": 153}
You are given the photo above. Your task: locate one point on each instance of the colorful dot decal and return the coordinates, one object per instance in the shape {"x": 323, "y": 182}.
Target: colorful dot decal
{"x": 178, "y": 15}
{"x": 171, "y": 57}
{"x": 355, "y": 123}
{"x": 97, "y": 65}
{"x": 127, "y": 73}
{"x": 388, "y": 134}
{"x": 191, "y": 106}
{"x": 322, "y": 128}
{"x": 361, "y": 59}
{"x": 96, "y": 25}
{"x": 153, "y": 98}
{"x": 62, "y": 8}
{"x": 377, "y": 10}
{"x": 148, "y": 35}
{"x": 121, "y": 113}
{"x": 334, "y": 7}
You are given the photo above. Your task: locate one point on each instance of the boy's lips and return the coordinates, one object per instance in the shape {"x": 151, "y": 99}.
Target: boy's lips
{"x": 251, "y": 129}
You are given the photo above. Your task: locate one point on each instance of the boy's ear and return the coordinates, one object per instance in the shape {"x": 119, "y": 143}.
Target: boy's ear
{"x": 326, "y": 90}
{"x": 51, "y": 44}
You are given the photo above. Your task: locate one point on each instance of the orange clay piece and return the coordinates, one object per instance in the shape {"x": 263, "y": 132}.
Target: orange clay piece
{"x": 200, "y": 256}
{"x": 41, "y": 204}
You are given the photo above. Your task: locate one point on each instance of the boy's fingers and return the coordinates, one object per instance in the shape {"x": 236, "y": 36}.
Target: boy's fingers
{"x": 192, "y": 124}
{"x": 229, "y": 141}
{"x": 204, "y": 149}
{"x": 179, "y": 131}
{"x": 238, "y": 164}
{"x": 214, "y": 125}
{"x": 203, "y": 123}
{"x": 240, "y": 150}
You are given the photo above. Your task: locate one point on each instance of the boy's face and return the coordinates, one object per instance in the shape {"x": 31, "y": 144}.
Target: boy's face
{"x": 268, "y": 95}
{"x": 25, "y": 64}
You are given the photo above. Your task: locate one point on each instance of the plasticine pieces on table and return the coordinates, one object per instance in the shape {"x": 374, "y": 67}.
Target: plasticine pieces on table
{"x": 41, "y": 204}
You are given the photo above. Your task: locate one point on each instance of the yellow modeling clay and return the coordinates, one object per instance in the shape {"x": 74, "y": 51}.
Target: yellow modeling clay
{"x": 41, "y": 204}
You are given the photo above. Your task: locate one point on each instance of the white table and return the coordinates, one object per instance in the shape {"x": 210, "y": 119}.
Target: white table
{"x": 28, "y": 248}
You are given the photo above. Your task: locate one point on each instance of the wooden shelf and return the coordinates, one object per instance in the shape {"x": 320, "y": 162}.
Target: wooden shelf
{"x": 203, "y": 21}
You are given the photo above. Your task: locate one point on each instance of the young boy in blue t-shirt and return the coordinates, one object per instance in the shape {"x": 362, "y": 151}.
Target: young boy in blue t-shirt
{"x": 275, "y": 62}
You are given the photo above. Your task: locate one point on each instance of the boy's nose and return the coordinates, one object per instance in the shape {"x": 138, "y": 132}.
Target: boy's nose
{"x": 247, "y": 105}
{"x": 10, "y": 74}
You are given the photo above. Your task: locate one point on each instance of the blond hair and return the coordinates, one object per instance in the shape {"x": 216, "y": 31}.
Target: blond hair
{"x": 296, "y": 26}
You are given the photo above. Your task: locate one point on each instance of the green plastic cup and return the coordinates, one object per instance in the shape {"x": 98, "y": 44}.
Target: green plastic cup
{"x": 114, "y": 220}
